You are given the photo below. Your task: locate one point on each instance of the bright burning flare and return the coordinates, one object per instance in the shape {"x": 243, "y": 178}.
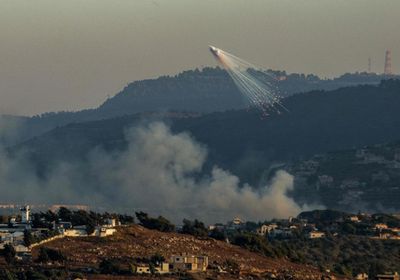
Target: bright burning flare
{"x": 259, "y": 87}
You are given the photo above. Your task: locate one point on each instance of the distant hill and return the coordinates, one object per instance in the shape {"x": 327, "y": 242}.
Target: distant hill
{"x": 147, "y": 243}
{"x": 239, "y": 140}
{"x": 212, "y": 90}
{"x": 356, "y": 179}
{"x": 206, "y": 91}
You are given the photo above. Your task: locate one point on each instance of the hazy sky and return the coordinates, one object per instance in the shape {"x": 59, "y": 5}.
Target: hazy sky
{"x": 71, "y": 54}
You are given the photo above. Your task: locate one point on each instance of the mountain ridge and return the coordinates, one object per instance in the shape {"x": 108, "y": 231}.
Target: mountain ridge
{"x": 202, "y": 91}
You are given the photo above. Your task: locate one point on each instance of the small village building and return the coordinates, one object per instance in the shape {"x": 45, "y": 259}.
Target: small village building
{"x": 237, "y": 221}
{"x": 21, "y": 249}
{"x": 316, "y": 234}
{"x": 188, "y": 263}
{"x": 5, "y": 237}
{"x": 211, "y": 227}
{"x": 142, "y": 269}
{"x": 63, "y": 225}
{"x": 17, "y": 236}
{"x": 76, "y": 232}
{"x": 26, "y": 214}
{"x": 389, "y": 235}
{"x": 102, "y": 231}
{"x": 380, "y": 226}
{"x": 397, "y": 230}
{"x": 235, "y": 224}
{"x": 354, "y": 219}
{"x": 145, "y": 268}
{"x": 394, "y": 276}
{"x": 280, "y": 232}
{"x": 111, "y": 222}
{"x": 265, "y": 229}
{"x": 24, "y": 256}
{"x": 218, "y": 226}
{"x": 361, "y": 276}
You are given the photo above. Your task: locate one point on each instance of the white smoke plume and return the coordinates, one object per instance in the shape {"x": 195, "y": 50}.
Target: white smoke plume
{"x": 9, "y": 129}
{"x": 160, "y": 173}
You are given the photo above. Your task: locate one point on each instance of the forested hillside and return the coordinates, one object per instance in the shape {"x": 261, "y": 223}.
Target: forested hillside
{"x": 241, "y": 141}
{"x": 202, "y": 91}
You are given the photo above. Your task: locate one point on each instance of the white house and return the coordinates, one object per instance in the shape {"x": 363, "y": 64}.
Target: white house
{"x": 111, "y": 222}
{"x": 316, "y": 234}
{"x": 145, "y": 268}
{"x": 26, "y": 214}
{"x": 102, "y": 231}
{"x": 21, "y": 249}
{"x": 75, "y": 232}
{"x": 354, "y": 218}
{"x": 264, "y": 229}
{"x": 381, "y": 226}
{"x": 190, "y": 263}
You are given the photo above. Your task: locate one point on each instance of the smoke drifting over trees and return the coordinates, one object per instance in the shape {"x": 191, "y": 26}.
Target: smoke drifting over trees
{"x": 159, "y": 172}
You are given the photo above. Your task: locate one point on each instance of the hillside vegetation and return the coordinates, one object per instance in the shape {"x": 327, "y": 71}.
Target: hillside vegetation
{"x": 135, "y": 242}
{"x": 242, "y": 142}
{"x": 202, "y": 91}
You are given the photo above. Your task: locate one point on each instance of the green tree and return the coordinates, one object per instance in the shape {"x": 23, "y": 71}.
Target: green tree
{"x": 7, "y": 275}
{"x": 65, "y": 214}
{"x": 195, "y": 228}
{"x": 50, "y": 216}
{"x": 152, "y": 268}
{"x": 255, "y": 242}
{"x": 90, "y": 227}
{"x": 28, "y": 238}
{"x": 9, "y": 253}
{"x": 348, "y": 228}
{"x": 43, "y": 256}
{"x": 109, "y": 267}
{"x": 126, "y": 219}
{"x": 218, "y": 234}
{"x": 160, "y": 223}
{"x": 48, "y": 254}
{"x": 133, "y": 268}
{"x": 157, "y": 259}
{"x": 35, "y": 275}
{"x": 4, "y": 219}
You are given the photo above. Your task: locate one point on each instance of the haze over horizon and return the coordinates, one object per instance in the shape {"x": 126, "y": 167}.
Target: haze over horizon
{"x": 72, "y": 54}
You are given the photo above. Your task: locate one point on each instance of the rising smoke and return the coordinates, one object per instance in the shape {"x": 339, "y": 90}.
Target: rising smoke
{"x": 10, "y": 128}
{"x": 160, "y": 172}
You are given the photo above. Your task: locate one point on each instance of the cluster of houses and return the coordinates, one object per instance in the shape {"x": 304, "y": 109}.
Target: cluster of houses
{"x": 286, "y": 228}
{"x": 176, "y": 263}
{"x": 13, "y": 232}
{"x": 388, "y": 276}
{"x": 355, "y": 187}
{"x": 386, "y": 232}
{"x": 282, "y": 228}
{"x": 66, "y": 229}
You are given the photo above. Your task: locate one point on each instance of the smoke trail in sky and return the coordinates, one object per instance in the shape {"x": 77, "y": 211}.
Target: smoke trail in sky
{"x": 256, "y": 85}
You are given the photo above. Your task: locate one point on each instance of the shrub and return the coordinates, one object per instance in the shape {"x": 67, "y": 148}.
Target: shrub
{"x": 160, "y": 223}
{"x": 109, "y": 267}
{"x": 9, "y": 253}
{"x": 48, "y": 254}
{"x": 195, "y": 228}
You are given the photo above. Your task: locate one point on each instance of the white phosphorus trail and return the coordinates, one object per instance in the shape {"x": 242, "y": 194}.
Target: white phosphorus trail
{"x": 259, "y": 87}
